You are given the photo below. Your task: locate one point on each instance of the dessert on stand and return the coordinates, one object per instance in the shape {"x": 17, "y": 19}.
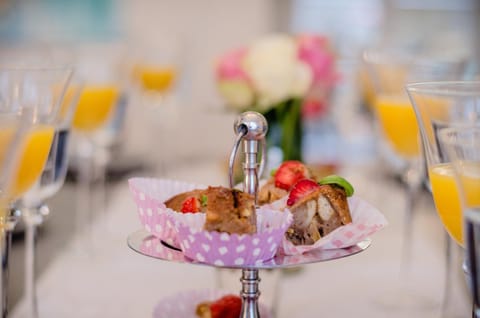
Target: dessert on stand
{"x": 201, "y": 239}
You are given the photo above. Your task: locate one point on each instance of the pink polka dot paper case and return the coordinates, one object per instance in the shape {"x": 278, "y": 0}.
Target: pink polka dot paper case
{"x": 366, "y": 220}
{"x": 149, "y": 195}
{"x": 223, "y": 249}
{"x": 185, "y": 231}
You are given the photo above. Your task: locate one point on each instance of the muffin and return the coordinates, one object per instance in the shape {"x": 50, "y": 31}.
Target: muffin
{"x": 227, "y": 210}
{"x": 230, "y": 210}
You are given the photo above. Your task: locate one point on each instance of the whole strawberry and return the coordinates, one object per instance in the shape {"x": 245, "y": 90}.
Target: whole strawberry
{"x": 289, "y": 173}
{"x": 229, "y": 306}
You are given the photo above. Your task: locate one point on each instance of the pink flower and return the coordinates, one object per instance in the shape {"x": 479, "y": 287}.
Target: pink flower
{"x": 229, "y": 66}
{"x": 315, "y": 51}
{"x": 313, "y": 108}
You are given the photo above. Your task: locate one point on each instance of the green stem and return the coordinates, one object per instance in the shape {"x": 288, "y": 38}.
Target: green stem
{"x": 287, "y": 115}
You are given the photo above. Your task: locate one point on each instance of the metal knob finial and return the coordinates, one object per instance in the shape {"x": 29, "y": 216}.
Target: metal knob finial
{"x": 251, "y": 127}
{"x": 255, "y": 124}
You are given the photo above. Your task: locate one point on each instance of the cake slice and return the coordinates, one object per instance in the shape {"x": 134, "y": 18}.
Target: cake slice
{"x": 317, "y": 210}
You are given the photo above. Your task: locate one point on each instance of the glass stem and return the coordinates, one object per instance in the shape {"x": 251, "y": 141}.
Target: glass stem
{"x": 100, "y": 168}
{"x": 84, "y": 196}
{"x": 456, "y": 302}
{"x": 5, "y": 245}
{"x": 406, "y": 250}
{"x": 32, "y": 219}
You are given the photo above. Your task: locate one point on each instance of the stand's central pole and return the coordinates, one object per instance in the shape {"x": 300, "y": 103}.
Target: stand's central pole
{"x": 250, "y": 293}
{"x": 250, "y": 127}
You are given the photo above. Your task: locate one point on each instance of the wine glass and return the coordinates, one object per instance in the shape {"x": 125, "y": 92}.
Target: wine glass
{"x": 439, "y": 105}
{"x": 462, "y": 146}
{"x": 12, "y": 134}
{"x": 397, "y": 126}
{"x": 32, "y": 96}
{"x": 155, "y": 68}
{"x": 32, "y": 205}
{"x": 99, "y": 68}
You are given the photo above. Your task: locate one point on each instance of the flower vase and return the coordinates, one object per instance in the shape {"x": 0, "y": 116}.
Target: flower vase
{"x": 285, "y": 132}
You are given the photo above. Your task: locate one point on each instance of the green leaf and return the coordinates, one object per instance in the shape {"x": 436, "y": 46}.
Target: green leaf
{"x": 203, "y": 200}
{"x": 342, "y": 182}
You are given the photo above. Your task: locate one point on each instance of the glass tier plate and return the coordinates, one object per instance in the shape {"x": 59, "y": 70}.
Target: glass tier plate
{"x": 146, "y": 244}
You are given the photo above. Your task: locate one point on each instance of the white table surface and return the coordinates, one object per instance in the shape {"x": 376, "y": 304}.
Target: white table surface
{"x": 105, "y": 278}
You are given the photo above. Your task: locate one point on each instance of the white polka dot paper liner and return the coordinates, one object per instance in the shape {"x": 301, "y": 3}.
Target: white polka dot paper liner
{"x": 183, "y": 304}
{"x": 366, "y": 220}
{"x": 149, "y": 195}
{"x": 233, "y": 250}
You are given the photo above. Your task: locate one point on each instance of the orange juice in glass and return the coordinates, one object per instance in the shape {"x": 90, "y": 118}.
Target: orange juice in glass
{"x": 446, "y": 197}
{"x": 155, "y": 77}
{"x": 398, "y": 123}
{"x": 32, "y": 158}
{"x": 95, "y": 105}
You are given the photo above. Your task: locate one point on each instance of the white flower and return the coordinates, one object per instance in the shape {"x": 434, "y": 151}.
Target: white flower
{"x": 275, "y": 71}
{"x": 238, "y": 93}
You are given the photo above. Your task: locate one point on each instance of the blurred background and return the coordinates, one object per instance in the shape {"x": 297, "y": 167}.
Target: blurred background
{"x": 146, "y": 134}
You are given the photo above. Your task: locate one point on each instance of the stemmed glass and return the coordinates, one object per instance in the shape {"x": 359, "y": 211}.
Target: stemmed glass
{"x": 462, "y": 146}
{"x": 155, "y": 77}
{"x": 397, "y": 125}
{"x": 32, "y": 96}
{"x": 13, "y": 128}
{"x": 98, "y": 67}
{"x": 155, "y": 70}
{"x": 439, "y": 105}
{"x": 32, "y": 203}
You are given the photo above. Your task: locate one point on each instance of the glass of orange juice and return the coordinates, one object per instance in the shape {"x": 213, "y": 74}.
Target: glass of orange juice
{"x": 399, "y": 140}
{"x": 155, "y": 70}
{"x": 462, "y": 147}
{"x": 439, "y": 105}
{"x": 27, "y": 112}
{"x": 32, "y": 203}
{"x": 94, "y": 129}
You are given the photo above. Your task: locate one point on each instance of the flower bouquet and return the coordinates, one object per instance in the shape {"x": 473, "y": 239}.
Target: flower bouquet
{"x": 284, "y": 77}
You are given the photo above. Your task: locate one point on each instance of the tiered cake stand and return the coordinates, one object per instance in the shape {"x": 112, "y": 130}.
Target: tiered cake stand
{"x": 250, "y": 128}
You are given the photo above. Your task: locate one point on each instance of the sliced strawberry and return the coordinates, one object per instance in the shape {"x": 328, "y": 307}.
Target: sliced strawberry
{"x": 229, "y": 306}
{"x": 289, "y": 173}
{"x": 191, "y": 205}
{"x": 301, "y": 189}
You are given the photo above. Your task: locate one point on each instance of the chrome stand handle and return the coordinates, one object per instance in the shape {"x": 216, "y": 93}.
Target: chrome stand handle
{"x": 251, "y": 127}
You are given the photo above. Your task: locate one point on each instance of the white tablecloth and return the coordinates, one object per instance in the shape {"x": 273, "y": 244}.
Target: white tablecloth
{"x": 104, "y": 278}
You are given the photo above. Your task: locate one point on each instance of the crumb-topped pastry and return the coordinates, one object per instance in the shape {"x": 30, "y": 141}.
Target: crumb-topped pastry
{"x": 228, "y": 306}
{"x": 277, "y": 187}
{"x": 227, "y": 210}
{"x": 317, "y": 209}
{"x": 230, "y": 210}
